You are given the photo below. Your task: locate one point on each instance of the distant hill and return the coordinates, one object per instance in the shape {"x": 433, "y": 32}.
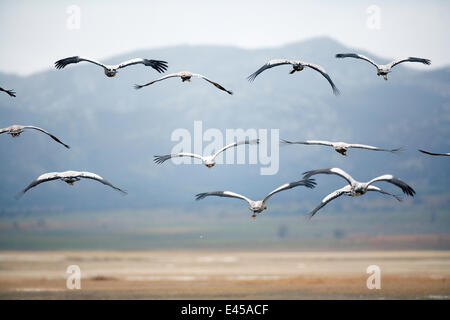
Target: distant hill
{"x": 115, "y": 130}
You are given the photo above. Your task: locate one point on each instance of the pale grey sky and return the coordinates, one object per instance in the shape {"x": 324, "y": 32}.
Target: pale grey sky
{"x": 35, "y": 33}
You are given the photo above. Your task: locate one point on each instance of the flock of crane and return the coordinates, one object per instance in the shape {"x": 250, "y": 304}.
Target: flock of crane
{"x": 353, "y": 187}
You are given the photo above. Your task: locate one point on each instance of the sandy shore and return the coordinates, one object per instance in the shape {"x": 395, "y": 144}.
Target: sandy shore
{"x": 224, "y": 275}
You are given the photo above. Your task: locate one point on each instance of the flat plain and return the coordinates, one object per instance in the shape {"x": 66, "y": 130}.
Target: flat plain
{"x": 222, "y": 274}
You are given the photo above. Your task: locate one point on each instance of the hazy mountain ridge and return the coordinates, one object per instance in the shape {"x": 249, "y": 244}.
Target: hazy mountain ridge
{"x": 115, "y": 131}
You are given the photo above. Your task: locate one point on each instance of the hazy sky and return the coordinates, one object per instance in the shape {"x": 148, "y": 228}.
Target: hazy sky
{"x": 36, "y": 33}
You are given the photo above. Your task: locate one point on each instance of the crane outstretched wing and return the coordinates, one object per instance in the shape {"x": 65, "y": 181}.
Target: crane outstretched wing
{"x": 161, "y": 159}
{"x": 218, "y": 86}
{"x": 42, "y": 178}
{"x": 373, "y": 188}
{"x": 60, "y": 64}
{"x": 356, "y": 56}
{"x": 171, "y": 75}
{"x": 335, "y": 171}
{"x": 431, "y": 153}
{"x": 328, "y": 198}
{"x": 326, "y": 76}
{"x": 234, "y": 144}
{"x": 47, "y": 133}
{"x": 409, "y": 59}
{"x": 309, "y": 142}
{"x": 227, "y": 194}
{"x": 93, "y": 176}
{"x": 308, "y": 183}
{"x": 364, "y": 146}
{"x": 268, "y": 65}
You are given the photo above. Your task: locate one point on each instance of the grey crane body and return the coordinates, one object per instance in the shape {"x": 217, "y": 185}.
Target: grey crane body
{"x": 257, "y": 207}
{"x": 383, "y": 70}
{"x": 15, "y": 131}
{"x": 341, "y": 148}
{"x": 186, "y": 76}
{"x": 209, "y": 162}
{"x": 110, "y": 71}
{"x": 297, "y": 68}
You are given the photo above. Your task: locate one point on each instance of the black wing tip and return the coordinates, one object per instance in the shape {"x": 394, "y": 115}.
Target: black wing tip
{"x": 163, "y": 62}
{"x": 138, "y": 86}
{"x": 158, "y": 160}
{"x": 60, "y": 64}
{"x": 309, "y": 183}
{"x": 410, "y": 191}
{"x": 251, "y": 77}
{"x": 309, "y": 173}
{"x": 11, "y": 93}
{"x": 19, "y": 195}
{"x": 336, "y": 91}
{"x": 422, "y": 60}
{"x": 432, "y": 153}
{"x": 160, "y": 68}
{"x": 123, "y": 192}
{"x": 310, "y": 215}
{"x": 229, "y": 92}
{"x": 283, "y": 141}
{"x": 159, "y": 65}
{"x": 306, "y": 173}
{"x": 59, "y": 141}
{"x": 161, "y": 159}
{"x": 200, "y": 196}
{"x": 341, "y": 55}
